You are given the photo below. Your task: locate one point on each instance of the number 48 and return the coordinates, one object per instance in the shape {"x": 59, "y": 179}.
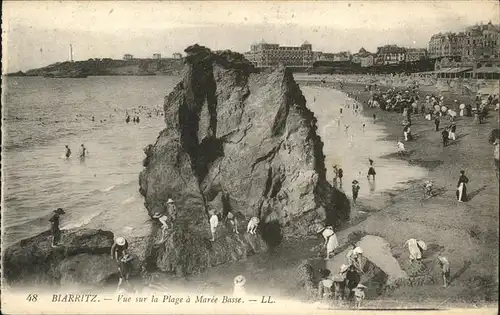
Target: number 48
{"x": 32, "y": 298}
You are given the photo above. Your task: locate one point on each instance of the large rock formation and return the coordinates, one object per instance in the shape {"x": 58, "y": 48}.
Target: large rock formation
{"x": 83, "y": 258}
{"x": 241, "y": 141}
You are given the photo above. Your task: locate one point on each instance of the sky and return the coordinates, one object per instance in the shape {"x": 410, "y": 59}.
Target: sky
{"x": 38, "y": 33}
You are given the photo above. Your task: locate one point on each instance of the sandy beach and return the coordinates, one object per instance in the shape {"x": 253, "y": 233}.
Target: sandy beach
{"x": 468, "y": 231}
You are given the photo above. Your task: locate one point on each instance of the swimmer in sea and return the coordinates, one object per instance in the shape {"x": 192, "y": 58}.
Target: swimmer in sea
{"x": 68, "y": 152}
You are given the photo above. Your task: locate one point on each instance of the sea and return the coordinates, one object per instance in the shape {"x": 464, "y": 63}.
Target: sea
{"x": 42, "y": 115}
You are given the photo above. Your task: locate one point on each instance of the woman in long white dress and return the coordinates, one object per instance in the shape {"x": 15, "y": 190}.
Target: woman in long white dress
{"x": 331, "y": 241}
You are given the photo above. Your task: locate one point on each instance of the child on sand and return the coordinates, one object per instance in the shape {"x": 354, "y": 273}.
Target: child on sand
{"x": 444, "y": 265}
{"x": 355, "y": 190}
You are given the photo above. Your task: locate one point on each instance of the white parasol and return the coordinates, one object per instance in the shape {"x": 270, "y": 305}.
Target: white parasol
{"x": 462, "y": 106}
{"x": 444, "y": 109}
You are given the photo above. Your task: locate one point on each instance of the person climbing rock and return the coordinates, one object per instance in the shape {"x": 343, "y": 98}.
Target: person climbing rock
{"x": 234, "y": 222}
{"x": 214, "y": 222}
{"x": 54, "y": 226}
{"x": 253, "y": 224}
{"x": 171, "y": 209}
{"x": 119, "y": 248}
{"x": 125, "y": 270}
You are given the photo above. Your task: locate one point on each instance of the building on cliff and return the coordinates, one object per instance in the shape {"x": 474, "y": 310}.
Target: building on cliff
{"x": 157, "y": 56}
{"x": 128, "y": 57}
{"x": 264, "y": 55}
{"x": 177, "y": 56}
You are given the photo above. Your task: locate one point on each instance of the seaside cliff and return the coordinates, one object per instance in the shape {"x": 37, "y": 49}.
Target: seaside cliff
{"x": 240, "y": 141}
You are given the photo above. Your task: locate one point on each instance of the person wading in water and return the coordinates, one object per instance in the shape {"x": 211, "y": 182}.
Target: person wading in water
{"x": 68, "y": 152}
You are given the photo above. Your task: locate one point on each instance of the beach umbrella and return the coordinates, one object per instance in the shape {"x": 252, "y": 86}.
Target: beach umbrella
{"x": 436, "y": 107}
{"x": 452, "y": 113}
{"x": 462, "y": 106}
{"x": 444, "y": 109}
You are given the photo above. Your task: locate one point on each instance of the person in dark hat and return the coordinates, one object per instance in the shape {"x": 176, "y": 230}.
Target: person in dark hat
{"x": 54, "y": 226}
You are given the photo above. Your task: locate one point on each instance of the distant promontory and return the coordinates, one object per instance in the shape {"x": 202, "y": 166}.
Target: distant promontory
{"x": 107, "y": 66}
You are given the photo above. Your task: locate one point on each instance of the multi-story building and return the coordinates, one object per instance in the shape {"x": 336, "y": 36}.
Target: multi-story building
{"x": 415, "y": 54}
{"x": 128, "y": 57}
{"x": 157, "y": 56}
{"x": 481, "y": 42}
{"x": 390, "y": 54}
{"x": 447, "y": 45}
{"x": 475, "y": 42}
{"x": 270, "y": 55}
{"x": 342, "y": 56}
{"x": 363, "y": 58}
{"x": 177, "y": 56}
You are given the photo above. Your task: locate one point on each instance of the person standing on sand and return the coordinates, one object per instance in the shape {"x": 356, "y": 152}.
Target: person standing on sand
{"x": 374, "y": 118}
{"x": 371, "y": 170}
{"x": 445, "y": 136}
{"x": 68, "y": 152}
{"x": 355, "y": 190}
{"x": 453, "y": 129}
{"x": 363, "y": 126}
{"x": 54, "y": 226}
{"x": 436, "y": 122}
{"x": 462, "y": 187}
{"x": 444, "y": 265}
{"x": 341, "y": 175}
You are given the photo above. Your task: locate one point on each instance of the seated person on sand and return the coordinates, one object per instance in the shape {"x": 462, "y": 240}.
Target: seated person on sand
{"x": 415, "y": 248}
{"x": 253, "y": 224}
{"x": 214, "y": 222}
{"x": 428, "y": 185}
{"x": 234, "y": 222}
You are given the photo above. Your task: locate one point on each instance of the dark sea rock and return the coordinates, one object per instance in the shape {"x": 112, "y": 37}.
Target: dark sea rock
{"x": 83, "y": 257}
{"x": 241, "y": 141}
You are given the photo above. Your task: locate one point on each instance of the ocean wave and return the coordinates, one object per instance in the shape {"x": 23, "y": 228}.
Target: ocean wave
{"x": 82, "y": 221}
{"x": 107, "y": 189}
{"x": 128, "y": 200}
